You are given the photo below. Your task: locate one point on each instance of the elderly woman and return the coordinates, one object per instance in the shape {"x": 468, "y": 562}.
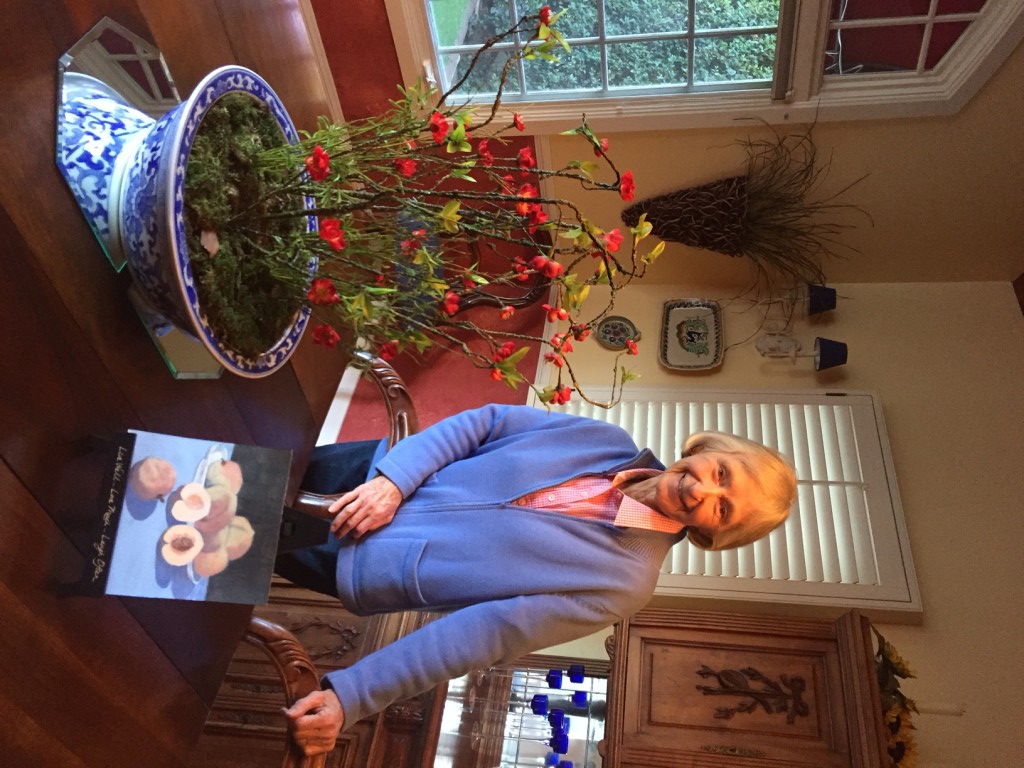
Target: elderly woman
{"x": 528, "y": 528}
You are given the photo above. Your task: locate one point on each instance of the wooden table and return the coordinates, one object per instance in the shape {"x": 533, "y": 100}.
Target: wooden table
{"x": 107, "y": 681}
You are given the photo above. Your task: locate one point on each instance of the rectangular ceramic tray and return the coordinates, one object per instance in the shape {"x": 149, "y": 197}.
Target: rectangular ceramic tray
{"x": 691, "y": 335}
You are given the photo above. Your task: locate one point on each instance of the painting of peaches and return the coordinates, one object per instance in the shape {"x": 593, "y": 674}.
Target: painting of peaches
{"x": 199, "y": 520}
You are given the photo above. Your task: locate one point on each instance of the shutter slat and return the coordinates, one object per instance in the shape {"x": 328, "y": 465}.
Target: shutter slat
{"x": 826, "y": 535}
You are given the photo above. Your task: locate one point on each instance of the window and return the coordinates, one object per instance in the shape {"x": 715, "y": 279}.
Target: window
{"x": 845, "y": 542}
{"x": 836, "y": 60}
{"x": 619, "y": 47}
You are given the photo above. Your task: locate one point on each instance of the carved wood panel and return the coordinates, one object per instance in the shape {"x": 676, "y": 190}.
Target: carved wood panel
{"x": 700, "y": 689}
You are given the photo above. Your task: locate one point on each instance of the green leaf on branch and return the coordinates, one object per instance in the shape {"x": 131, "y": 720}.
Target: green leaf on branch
{"x": 515, "y": 357}
{"x": 628, "y": 376}
{"x": 561, "y": 40}
{"x": 589, "y": 167}
{"x": 450, "y": 217}
{"x": 642, "y": 229}
{"x": 654, "y": 253}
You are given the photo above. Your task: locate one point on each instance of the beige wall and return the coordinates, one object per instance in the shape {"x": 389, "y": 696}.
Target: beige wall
{"x": 946, "y": 194}
{"x": 934, "y": 328}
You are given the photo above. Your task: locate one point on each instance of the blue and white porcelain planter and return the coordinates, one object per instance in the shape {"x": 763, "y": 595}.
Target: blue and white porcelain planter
{"x": 127, "y": 173}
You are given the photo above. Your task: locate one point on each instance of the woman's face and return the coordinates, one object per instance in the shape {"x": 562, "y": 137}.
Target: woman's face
{"x": 709, "y": 491}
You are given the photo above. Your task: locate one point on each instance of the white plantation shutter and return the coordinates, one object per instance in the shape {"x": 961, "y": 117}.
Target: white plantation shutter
{"x": 845, "y": 542}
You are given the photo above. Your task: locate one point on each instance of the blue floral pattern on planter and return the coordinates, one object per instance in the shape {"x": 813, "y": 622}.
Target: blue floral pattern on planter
{"x": 152, "y": 222}
{"x": 95, "y": 126}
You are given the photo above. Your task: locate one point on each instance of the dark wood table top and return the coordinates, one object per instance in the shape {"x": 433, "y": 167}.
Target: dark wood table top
{"x": 115, "y": 681}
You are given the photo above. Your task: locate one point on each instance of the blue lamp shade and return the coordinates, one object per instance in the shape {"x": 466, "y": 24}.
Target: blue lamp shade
{"x": 820, "y": 298}
{"x": 539, "y": 704}
{"x": 579, "y": 698}
{"x": 564, "y": 764}
{"x": 577, "y": 672}
{"x": 555, "y": 717}
{"x": 828, "y": 353}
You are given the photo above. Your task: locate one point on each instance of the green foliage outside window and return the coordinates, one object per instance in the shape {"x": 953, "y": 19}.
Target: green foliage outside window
{"x": 631, "y": 64}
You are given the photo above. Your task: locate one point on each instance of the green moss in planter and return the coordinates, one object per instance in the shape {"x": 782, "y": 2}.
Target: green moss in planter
{"x": 226, "y": 194}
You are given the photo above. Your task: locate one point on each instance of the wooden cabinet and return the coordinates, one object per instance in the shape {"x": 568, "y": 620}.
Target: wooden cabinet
{"x": 245, "y": 726}
{"x": 706, "y": 690}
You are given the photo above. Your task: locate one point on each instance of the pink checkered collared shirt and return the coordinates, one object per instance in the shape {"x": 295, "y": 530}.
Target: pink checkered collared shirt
{"x": 597, "y": 497}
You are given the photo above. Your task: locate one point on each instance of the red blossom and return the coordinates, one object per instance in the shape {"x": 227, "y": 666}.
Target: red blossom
{"x": 538, "y": 262}
{"x": 405, "y": 166}
{"x": 517, "y": 121}
{"x": 332, "y": 233}
{"x": 438, "y": 127}
{"x": 325, "y": 336}
{"x": 599, "y": 151}
{"x": 560, "y": 341}
{"x": 379, "y": 279}
{"x": 579, "y": 332}
{"x": 497, "y": 374}
{"x": 612, "y": 240}
{"x": 627, "y": 187}
{"x": 555, "y": 359}
{"x": 552, "y": 270}
{"x": 486, "y": 158}
{"x": 545, "y": 14}
{"x": 504, "y": 351}
{"x": 555, "y": 313}
{"x": 537, "y": 217}
{"x": 322, "y": 291}
{"x": 631, "y": 347}
{"x": 450, "y": 305}
{"x": 525, "y": 159}
{"x": 318, "y": 164}
{"x": 562, "y": 395}
{"x": 389, "y": 349}
{"x": 507, "y": 312}
{"x": 526, "y": 191}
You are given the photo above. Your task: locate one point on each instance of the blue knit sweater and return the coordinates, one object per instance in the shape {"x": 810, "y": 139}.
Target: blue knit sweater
{"x": 512, "y": 579}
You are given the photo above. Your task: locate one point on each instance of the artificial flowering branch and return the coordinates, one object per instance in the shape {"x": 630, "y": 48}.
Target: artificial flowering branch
{"x": 425, "y": 205}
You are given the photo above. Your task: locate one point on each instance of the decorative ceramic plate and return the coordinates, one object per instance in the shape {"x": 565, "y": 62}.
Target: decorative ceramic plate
{"x": 691, "y": 336}
{"x": 614, "y": 331}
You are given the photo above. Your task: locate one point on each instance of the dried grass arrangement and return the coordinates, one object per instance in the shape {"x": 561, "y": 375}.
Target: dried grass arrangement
{"x": 769, "y": 214}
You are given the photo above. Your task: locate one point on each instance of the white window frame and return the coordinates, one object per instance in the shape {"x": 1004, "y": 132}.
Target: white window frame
{"x": 810, "y": 96}
{"x": 750, "y": 574}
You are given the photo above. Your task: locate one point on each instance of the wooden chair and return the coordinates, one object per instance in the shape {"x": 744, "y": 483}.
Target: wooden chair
{"x": 296, "y": 669}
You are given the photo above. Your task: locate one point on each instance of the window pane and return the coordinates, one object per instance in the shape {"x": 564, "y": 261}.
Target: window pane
{"x": 655, "y": 62}
{"x": 485, "y": 76}
{"x": 878, "y": 9}
{"x": 579, "y": 69}
{"x": 579, "y": 19}
{"x": 960, "y": 6}
{"x": 454, "y": 21}
{"x": 726, "y": 14}
{"x": 630, "y": 17}
{"x": 943, "y": 37}
{"x": 873, "y": 49}
{"x": 732, "y": 59}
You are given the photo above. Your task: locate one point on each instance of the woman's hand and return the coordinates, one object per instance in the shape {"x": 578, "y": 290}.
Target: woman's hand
{"x": 315, "y": 721}
{"x": 366, "y": 508}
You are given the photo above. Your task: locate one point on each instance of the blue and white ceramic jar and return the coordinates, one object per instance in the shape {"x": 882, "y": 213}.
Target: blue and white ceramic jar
{"x": 127, "y": 172}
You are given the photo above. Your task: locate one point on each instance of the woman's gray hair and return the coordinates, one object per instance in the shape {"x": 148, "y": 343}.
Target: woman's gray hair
{"x": 773, "y": 475}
